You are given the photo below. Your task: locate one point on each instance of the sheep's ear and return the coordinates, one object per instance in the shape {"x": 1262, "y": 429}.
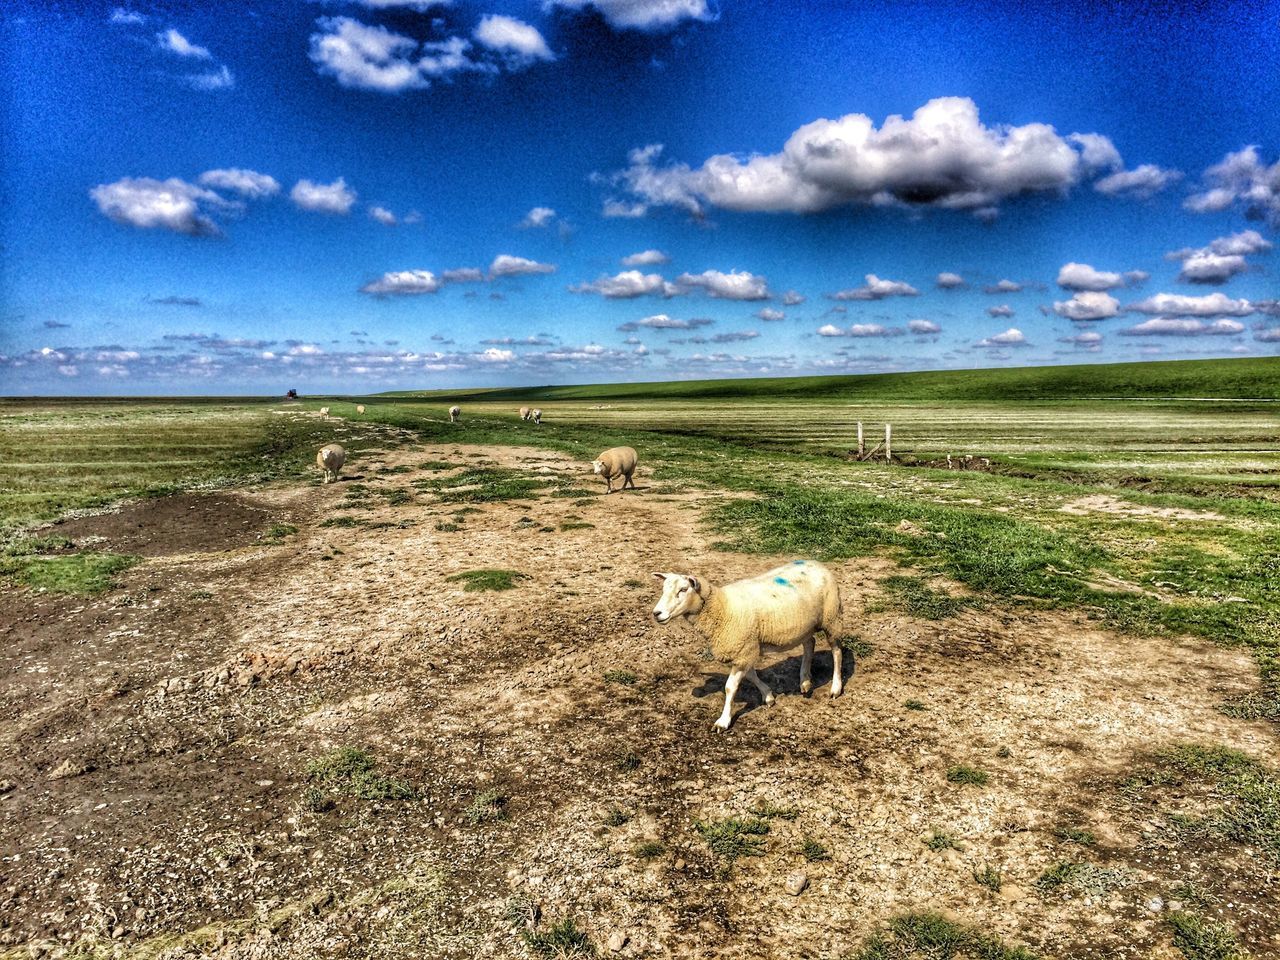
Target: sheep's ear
{"x": 660, "y": 576}
{"x": 695, "y": 585}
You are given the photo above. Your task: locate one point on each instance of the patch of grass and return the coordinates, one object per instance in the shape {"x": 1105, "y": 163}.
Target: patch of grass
{"x": 576, "y": 525}
{"x": 317, "y": 800}
{"x": 734, "y": 837}
{"x": 938, "y": 840}
{"x": 615, "y": 817}
{"x": 278, "y": 531}
{"x": 398, "y": 496}
{"x": 487, "y": 579}
{"x": 1201, "y": 939}
{"x": 626, "y": 759}
{"x": 989, "y": 877}
{"x": 1190, "y": 895}
{"x": 856, "y": 646}
{"x": 437, "y": 465}
{"x": 633, "y": 583}
{"x": 649, "y": 850}
{"x": 1075, "y": 835}
{"x": 917, "y": 598}
{"x": 574, "y": 492}
{"x": 448, "y": 526}
{"x": 351, "y": 771}
{"x": 1084, "y": 877}
{"x": 624, "y": 677}
{"x": 933, "y": 936}
{"x": 486, "y": 807}
{"x": 915, "y": 705}
{"x": 962, "y": 773}
{"x": 486, "y": 485}
{"x": 201, "y": 595}
{"x": 87, "y": 572}
{"x": 561, "y": 940}
{"x": 342, "y": 522}
{"x": 769, "y": 810}
{"x": 813, "y": 851}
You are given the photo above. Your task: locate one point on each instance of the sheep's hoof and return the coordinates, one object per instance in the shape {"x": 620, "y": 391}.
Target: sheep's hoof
{"x": 720, "y": 726}
{"x": 770, "y": 700}
{"x": 806, "y": 687}
{"x": 836, "y": 691}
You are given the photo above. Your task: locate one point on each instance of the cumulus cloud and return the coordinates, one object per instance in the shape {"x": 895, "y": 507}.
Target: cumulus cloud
{"x": 1240, "y": 178}
{"x": 514, "y": 39}
{"x": 942, "y": 156}
{"x": 171, "y": 41}
{"x": 1004, "y": 310}
{"x": 793, "y": 298}
{"x": 1088, "y": 305}
{"x": 146, "y": 203}
{"x": 1267, "y": 335}
{"x": 219, "y": 78}
{"x": 334, "y": 197}
{"x": 1210, "y": 305}
{"x": 735, "y": 285}
{"x": 383, "y": 216}
{"x": 876, "y": 289}
{"x": 1010, "y": 338}
{"x": 950, "y": 281}
{"x": 248, "y": 183}
{"x": 923, "y": 327}
{"x": 646, "y": 258}
{"x": 628, "y": 285}
{"x": 1184, "y": 327}
{"x": 403, "y": 283}
{"x": 770, "y": 315}
{"x": 1220, "y": 260}
{"x": 123, "y": 16}
{"x": 1088, "y": 339}
{"x": 366, "y": 57}
{"x": 1004, "y": 286}
{"x": 645, "y": 15}
{"x": 872, "y": 330}
{"x": 623, "y": 209}
{"x": 831, "y": 330}
{"x": 660, "y": 321}
{"x": 737, "y": 336}
{"x": 1142, "y": 182}
{"x": 537, "y": 217}
{"x": 505, "y": 265}
{"x": 1081, "y": 276}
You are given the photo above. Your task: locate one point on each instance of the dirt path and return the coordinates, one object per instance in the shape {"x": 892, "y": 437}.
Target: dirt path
{"x": 155, "y": 742}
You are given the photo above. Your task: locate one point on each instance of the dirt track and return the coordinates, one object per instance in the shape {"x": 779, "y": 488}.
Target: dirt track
{"x": 156, "y": 738}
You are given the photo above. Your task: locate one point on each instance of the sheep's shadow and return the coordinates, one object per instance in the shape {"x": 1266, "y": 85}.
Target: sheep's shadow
{"x": 783, "y": 678}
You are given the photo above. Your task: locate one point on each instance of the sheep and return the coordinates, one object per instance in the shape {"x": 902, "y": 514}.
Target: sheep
{"x": 524, "y": 414}
{"x": 767, "y": 613}
{"x": 330, "y": 460}
{"x": 324, "y": 411}
{"x": 537, "y": 415}
{"x": 615, "y": 462}
{"x": 359, "y": 408}
{"x": 454, "y": 414}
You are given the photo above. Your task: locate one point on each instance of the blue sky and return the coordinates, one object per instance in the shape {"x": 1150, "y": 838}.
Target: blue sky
{"x": 377, "y": 194}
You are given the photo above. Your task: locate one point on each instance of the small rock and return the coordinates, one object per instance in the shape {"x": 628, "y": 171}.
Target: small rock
{"x": 1155, "y": 904}
{"x": 796, "y": 883}
{"x": 617, "y": 940}
{"x": 1175, "y": 905}
{"x": 5, "y": 786}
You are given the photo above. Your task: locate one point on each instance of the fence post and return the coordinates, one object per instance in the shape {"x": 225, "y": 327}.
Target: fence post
{"x": 862, "y": 447}
{"x": 888, "y": 442}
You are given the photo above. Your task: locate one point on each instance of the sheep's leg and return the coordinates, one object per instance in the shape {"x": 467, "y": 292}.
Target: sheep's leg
{"x": 837, "y": 663}
{"x": 806, "y": 664}
{"x": 730, "y": 691}
{"x": 608, "y": 485}
{"x": 630, "y": 482}
{"x": 765, "y": 693}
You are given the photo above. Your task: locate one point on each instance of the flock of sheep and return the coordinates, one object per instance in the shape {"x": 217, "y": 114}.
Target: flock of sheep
{"x": 744, "y": 621}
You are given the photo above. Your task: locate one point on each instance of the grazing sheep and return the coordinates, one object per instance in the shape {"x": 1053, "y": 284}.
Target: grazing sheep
{"x": 330, "y": 460}
{"x": 324, "y": 411}
{"x": 537, "y": 415}
{"x": 768, "y": 613}
{"x": 524, "y": 413}
{"x": 454, "y": 414}
{"x": 615, "y": 462}
{"x": 359, "y": 408}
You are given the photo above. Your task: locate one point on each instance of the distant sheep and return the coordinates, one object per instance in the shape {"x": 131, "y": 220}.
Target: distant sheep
{"x": 524, "y": 413}
{"x": 615, "y": 462}
{"x": 330, "y": 460}
{"x": 324, "y": 411}
{"x": 454, "y": 414}
{"x": 537, "y": 416}
{"x": 359, "y": 408}
{"x": 768, "y": 613}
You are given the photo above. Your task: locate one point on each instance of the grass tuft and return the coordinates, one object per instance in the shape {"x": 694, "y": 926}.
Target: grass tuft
{"x": 768, "y": 810}
{"x": 989, "y": 877}
{"x": 938, "y": 840}
{"x": 1075, "y": 835}
{"x": 1201, "y": 939}
{"x": 933, "y": 936}
{"x": 624, "y": 677}
{"x": 813, "y": 851}
{"x": 649, "y": 850}
{"x": 915, "y": 597}
{"x": 486, "y": 807}
{"x": 487, "y": 579}
{"x": 351, "y": 771}
{"x": 733, "y": 837}
{"x": 561, "y": 940}
{"x": 615, "y": 817}
{"x": 962, "y": 773}
{"x": 1083, "y": 877}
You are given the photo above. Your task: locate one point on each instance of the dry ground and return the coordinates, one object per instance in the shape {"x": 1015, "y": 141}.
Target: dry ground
{"x": 155, "y": 741}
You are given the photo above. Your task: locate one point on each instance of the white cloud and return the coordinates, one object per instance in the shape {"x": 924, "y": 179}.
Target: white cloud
{"x": 403, "y": 283}
{"x": 735, "y": 285}
{"x": 505, "y": 265}
{"x": 1220, "y": 260}
{"x": 247, "y": 183}
{"x": 831, "y": 330}
{"x": 1004, "y": 310}
{"x": 793, "y": 298}
{"x": 628, "y": 285}
{"x": 334, "y": 197}
{"x": 943, "y": 156}
{"x": 1088, "y": 305}
{"x": 173, "y": 42}
{"x": 217, "y": 79}
{"x": 1242, "y": 178}
{"x": 172, "y": 204}
{"x": 463, "y": 275}
{"x": 537, "y": 217}
{"x": 648, "y": 15}
{"x": 1004, "y": 286}
{"x": 383, "y": 216}
{"x": 1184, "y": 327}
{"x": 1142, "y": 182}
{"x": 736, "y": 336}
{"x": 660, "y": 321}
{"x": 1081, "y": 276}
{"x": 516, "y": 40}
{"x": 121, "y": 15}
{"x": 769, "y": 315}
{"x": 872, "y": 330}
{"x": 1210, "y": 305}
{"x": 1268, "y": 335}
{"x": 646, "y": 258}
{"x": 373, "y": 58}
{"x": 621, "y": 209}
{"x": 876, "y": 289}
{"x": 1010, "y": 338}
{"x": 1090, "y": 338}
{"x": 950, "y": 281}
{"x": 923, "y": 327}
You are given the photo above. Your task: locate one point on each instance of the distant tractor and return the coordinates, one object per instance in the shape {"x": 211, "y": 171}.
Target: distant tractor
{"x": 291, "y": 395}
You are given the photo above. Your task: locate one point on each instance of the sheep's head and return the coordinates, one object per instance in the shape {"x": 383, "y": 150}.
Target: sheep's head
{"x": 681, "y": 596}
{"x": 597, "y": 467}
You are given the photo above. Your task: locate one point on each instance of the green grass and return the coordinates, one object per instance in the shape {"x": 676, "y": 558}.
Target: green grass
{"x": 352, "y": 771}
{"x": 813, "y": 851}
{"x": 576, "y": 525}
{"x": 914, "y": 596}
{"x": 623, "y": 677}
{"x": 733, "y": 837}
{"x": 88, "y": 572}
{"x": 938, "y": 840}
{"x": 768, "y": 810}
{"x": 487, "y": 579}
{"x": 933, "y": 937}
{"x": 484, "y": 485}
{"x": 649, "y": 850}
{"x": 915, "y": 705}
{"x": 1084, "y": 878}
{"x": 989, "y": 877}
{"x": 1201, "y": 939}
{"x": 562, "y": 940}
{"x": 277, "y": 532}
{"x": 615, "y": 817}
{"x": 962, "y": 773}
{"x": 1078, "y": 835}
{"x": 486, "y": 806}
{"x": 342, "y": 522}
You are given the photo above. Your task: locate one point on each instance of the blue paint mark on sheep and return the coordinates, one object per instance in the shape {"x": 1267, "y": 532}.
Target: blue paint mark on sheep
{"x": 798, "y": 563}
{"x": 783, "y": 581}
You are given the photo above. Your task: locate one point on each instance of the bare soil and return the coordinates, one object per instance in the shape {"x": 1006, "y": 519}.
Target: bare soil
{"x": 154, "y": 743}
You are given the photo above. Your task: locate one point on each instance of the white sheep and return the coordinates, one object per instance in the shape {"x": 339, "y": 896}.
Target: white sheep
{"x": 330, "y": 460}
{"x": 454, "y": 414}
{"x": 537, "y": 415}
{"x": 324, "y": 411}
{"x": 524, "y": 413}
{"x": 615, "y": 462}
{"x": 359, "y": 408}
{"x": 768, "y": 613}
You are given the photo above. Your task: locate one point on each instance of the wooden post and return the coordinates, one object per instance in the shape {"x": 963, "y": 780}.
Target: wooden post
{"x": 888, "y": 442}
{"x": 862, "y": 446}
